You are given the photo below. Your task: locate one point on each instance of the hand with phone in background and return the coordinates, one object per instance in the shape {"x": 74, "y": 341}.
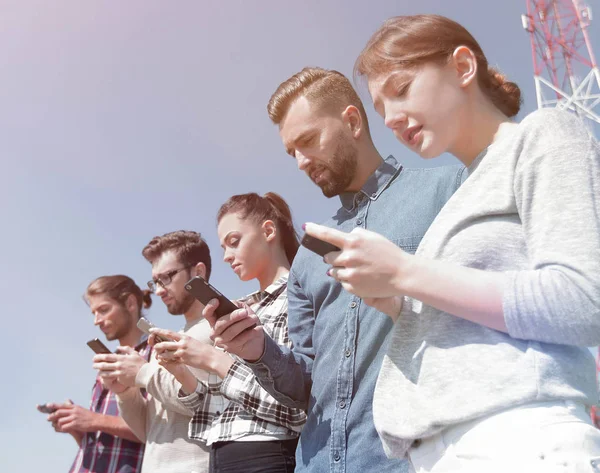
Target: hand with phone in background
{"x": 317, "y": 246}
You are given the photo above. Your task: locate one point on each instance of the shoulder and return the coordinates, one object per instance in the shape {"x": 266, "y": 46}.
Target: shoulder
{"x": 555, "y": 126}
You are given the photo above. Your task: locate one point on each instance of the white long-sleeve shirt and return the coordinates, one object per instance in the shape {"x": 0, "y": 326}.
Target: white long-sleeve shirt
{"x": 162, "y": 420}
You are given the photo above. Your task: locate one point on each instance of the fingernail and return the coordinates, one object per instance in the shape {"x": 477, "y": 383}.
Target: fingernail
{"x": 304, "y": 226}
{"x": 329, "y": 272}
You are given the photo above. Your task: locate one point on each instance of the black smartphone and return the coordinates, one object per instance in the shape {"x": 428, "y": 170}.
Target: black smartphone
{"x": 319, "y": 247}
{"x": 98, "y": 347}
{"x": 44, "y": 409}
{"x": 145, "y": 325}
{"x": 204, "y": 292}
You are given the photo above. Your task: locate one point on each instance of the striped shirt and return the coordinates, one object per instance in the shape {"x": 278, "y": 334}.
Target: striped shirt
{"x": 237, "y": 407}
{"x": 100, "y": 452}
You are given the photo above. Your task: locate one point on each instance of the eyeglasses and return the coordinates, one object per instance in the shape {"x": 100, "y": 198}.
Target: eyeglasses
{"x": 164, "y": 280}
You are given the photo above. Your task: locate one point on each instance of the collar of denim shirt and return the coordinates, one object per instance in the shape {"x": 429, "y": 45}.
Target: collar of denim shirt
{"x": 375, "y": 185}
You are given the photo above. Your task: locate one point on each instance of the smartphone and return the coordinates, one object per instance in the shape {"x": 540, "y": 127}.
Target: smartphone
{"x": 44, "y": 409}
{"x": 98, "y": 347}
{"x": 145, "y": 325}
{"x": 204, "y": 292}
{"x": 317, "y": 246}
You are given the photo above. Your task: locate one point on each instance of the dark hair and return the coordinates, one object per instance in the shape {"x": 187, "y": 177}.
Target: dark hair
{"x": 119, "y": 288}
{"x": 269, "y": 207}
{"x": 189, "y": 247}
{"x": 409, "y": 41}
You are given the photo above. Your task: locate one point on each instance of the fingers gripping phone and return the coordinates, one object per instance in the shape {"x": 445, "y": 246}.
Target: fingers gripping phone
{"x": 98, "y": 347}
{"x": 145, "y": 325}
{"x": 44, "y": 409}
{"x": 317, "y": 246}
{"x": 204, "y": 292}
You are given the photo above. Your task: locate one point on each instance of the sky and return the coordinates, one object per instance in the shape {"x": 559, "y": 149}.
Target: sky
{"x": 120, "y": 121}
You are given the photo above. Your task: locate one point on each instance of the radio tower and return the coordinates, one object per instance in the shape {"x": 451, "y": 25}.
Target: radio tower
{"x": 565, "y": 70}
{"x": 562, "y": 56}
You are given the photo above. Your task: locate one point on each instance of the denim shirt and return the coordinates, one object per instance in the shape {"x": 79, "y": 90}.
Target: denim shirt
{"x": 338, "y": 341}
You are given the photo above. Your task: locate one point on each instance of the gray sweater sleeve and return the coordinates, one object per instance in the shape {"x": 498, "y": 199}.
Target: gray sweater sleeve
{"x": 557, "y": 189}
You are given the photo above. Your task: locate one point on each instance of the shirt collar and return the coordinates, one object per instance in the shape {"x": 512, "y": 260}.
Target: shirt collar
{"x": 272, "y": 289}
{"x": 376, "y": 183}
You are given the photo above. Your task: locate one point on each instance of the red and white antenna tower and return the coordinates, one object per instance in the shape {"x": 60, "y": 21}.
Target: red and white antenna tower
{"x": 565, "y": 70}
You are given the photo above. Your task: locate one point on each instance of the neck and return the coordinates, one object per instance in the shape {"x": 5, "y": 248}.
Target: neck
{"x": 486, "y": 124}
{"x": 194, "y": 313}
{"x": 368, "y": 161}
{"x": 132, "y": 338}
{"x": 278, "y": 267}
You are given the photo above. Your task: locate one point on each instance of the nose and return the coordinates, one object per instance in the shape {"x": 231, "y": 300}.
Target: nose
{"x": 228, "y": 256}
{"x": 395, "y": 118}
{"x": 302, "y": 160}
{"x": 96, "y": 319}
{"x": 159, "y": 291}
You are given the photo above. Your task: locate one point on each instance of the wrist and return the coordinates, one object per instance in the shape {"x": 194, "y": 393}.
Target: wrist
{"x": 407, "y": 267}
{"x": 220, "y": 363}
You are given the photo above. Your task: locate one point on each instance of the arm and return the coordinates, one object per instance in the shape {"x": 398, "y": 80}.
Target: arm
{"x": 162, "y": 386}
{"x": 285, "y": 373}
{"x": 76, "y": 420}
{"x": 114, "y": 425}
{"x": 133, "y": 409}
{"x": 241, "y": 386}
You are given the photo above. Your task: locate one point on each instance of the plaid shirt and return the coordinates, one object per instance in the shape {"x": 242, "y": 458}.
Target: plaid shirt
{"x": 237, "y": 406}
{"x": 100, "y": 452}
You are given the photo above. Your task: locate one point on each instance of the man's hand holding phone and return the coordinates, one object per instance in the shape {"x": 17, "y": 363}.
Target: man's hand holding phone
{"x": 191, "y": 352}
{"x": 239, "y": 332}
{"x": 122, "y": 366}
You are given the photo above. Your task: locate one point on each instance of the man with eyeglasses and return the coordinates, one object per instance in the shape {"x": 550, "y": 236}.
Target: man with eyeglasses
{"x": 162, "y": 420}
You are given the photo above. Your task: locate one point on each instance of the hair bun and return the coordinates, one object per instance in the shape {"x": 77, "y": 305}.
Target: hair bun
{"x": 506, "y": 95}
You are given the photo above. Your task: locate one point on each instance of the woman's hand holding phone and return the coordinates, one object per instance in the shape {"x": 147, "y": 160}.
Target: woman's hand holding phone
{"x": 239, "y": 332}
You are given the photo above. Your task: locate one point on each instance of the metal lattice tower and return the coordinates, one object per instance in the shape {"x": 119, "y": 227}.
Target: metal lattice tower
{"x": 565, "y": 70}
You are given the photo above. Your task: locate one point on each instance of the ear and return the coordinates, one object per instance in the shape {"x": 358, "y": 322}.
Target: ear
{"x": 269, "y": 230}
{"x": 353, "y": 120}
{"x": 199, "y": 270}
{"x": 131, "y": 304}
{"x": 464, "y": 63}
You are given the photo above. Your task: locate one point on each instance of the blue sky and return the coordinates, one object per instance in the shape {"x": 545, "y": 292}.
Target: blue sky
{"x": 125, "y": 120}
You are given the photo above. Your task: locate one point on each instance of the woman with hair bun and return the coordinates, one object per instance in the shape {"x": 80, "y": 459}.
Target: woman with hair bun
{"x": 487, "y": 367}
{"x": 251, "y": 432}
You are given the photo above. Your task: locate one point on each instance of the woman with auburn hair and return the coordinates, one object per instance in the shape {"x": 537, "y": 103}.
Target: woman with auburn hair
{"x": 487, "y": 367}
{"x": 251, "y": 431}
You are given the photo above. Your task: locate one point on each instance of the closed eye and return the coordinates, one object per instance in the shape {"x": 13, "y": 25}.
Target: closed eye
{"x": 403, "y": 89}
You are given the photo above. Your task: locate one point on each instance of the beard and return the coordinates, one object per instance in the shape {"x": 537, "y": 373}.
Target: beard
{"x": 179, "y": 307}
{"x": 341, "y": 168}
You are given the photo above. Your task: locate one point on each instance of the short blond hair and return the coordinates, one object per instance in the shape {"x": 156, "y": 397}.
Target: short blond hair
{"x": 322, "y": 87}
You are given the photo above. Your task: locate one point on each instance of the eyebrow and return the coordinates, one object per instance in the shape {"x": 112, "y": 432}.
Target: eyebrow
{"x": 227, "y": 236}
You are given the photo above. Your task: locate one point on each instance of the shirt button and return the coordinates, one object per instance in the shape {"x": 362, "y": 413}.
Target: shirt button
{"x": 336, "y": 457}
{"x": 347, "y": 353}
{"x": 218, "y": 413}
{"x": 352, "y": 305}
{"x": 374, "y": 194}
{"x": 342, "y": 404}
{"x": 359, "y": 222}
